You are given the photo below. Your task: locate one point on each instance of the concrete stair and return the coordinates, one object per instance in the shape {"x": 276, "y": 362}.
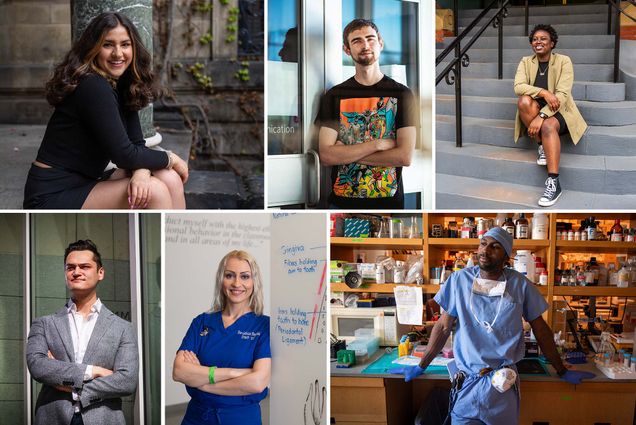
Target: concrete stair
{"x": 491, "y": 171}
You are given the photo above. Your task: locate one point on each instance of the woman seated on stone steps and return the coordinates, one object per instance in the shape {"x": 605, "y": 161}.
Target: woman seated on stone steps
{"x": 97, "y": 91}
{"x": 545, "y": 107}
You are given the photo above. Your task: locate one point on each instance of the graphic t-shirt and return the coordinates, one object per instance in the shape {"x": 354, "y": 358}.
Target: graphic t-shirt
{"x": 360, "y": 113}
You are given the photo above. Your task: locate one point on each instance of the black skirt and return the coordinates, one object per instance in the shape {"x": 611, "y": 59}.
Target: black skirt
{"x": 563, "y": 127}
{"x": 54, "y": 188}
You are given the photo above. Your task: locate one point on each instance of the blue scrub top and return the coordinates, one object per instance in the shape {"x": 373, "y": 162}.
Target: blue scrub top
{"x": 473, "y": 347}
{"x": 237, "y": 346}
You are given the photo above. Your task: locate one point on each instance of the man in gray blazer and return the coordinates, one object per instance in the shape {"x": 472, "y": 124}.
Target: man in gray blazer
{"x": 84, "y": 354}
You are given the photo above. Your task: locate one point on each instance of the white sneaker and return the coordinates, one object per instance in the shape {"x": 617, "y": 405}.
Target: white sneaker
{"x": 552, "y": 192}
{"x": 541, "y": 159}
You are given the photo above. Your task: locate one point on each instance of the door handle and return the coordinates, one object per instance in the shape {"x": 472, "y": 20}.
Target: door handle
{"x": 312, "y": 203}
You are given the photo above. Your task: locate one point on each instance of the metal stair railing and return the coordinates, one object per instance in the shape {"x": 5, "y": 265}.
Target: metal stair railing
{"x": 452, "y": 73}
{"x": 613, "y": 4}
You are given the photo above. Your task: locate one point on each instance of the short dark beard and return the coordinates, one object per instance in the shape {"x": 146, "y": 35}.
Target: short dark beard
{"x": 493, "y": 268}
{"x": 365, "y": 62}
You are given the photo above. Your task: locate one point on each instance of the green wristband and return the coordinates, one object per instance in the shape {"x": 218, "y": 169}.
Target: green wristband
{"x": 211, "y": 374}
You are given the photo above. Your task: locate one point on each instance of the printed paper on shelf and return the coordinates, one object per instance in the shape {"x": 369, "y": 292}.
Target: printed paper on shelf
{"x": 409, "y": 304}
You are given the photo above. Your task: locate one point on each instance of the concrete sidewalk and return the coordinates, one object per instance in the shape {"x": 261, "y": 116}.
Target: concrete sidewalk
{"x": 18, "y": 146}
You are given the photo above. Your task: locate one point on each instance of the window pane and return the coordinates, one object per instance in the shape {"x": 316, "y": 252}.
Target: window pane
{"x": 397, "y": 22}
{"x": 284, "y": 129}
{"x": 151, "y": 310}
{"x": 11, "y": 319}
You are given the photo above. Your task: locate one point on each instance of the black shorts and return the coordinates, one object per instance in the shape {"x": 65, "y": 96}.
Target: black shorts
{"x": 563, "y": 127}
{"x": 53, "y": 188}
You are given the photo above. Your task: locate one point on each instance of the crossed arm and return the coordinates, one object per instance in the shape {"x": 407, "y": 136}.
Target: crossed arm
{"x": 228, "y": 381}
{"x": 68, "y": 376}
{"x": 376, "y": 152}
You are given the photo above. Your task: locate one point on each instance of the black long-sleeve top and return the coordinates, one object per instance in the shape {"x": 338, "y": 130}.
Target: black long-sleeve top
{"x": 91, "y": 127}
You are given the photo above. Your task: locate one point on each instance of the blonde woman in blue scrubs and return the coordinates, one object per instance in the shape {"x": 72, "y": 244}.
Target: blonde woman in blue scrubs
{"x": 225, "y": 358}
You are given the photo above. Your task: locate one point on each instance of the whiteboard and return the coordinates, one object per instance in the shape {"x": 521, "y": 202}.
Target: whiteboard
{"x": 298, "y": 319}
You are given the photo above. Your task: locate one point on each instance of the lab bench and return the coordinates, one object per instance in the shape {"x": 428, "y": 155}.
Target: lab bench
{"x": 375, "y": 399}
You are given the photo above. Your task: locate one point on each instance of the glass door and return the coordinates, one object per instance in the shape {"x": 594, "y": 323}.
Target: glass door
{"x": 292, "y": 162}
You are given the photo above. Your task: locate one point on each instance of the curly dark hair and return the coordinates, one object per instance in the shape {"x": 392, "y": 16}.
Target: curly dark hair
{"x": 356, "y": 24}
{"x": 554, "y": 37}
{"x": 84, "y": 245}
{"x": 137, "y": 83}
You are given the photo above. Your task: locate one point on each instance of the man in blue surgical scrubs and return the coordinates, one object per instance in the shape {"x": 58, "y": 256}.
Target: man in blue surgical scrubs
{"x": 487, "y": 302}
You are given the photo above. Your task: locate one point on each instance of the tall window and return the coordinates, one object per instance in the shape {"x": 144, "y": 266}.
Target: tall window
{"x": 151, "y": 314}
{"x": 12, "y": 318}
{"x": 284, "y": 130}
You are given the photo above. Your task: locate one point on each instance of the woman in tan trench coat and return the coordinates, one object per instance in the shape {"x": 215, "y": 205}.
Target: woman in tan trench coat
{"x": 546, "y": 109}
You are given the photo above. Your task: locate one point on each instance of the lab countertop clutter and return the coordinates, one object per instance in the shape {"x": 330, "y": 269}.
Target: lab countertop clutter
{"x": 563, "y": 288}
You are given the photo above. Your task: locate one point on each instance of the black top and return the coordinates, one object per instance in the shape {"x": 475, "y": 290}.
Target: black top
{"x": 358, "y": 113}
{"x": 541, "y": 81}
{"x": 91, "y": 127}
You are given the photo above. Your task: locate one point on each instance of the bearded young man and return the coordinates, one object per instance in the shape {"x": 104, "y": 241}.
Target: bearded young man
{"x": 367, "y": 128}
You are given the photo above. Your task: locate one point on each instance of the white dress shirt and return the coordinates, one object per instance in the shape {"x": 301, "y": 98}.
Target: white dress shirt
{"x": 81, "y": 331}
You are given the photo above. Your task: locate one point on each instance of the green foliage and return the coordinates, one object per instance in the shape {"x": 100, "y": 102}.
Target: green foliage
{"x": 198, "y": 73}
{"x": 202, "y": 6}
{"x": 243, "y": 73}
{"x": 206, "y": 38}
{"x": 231, "y": 28}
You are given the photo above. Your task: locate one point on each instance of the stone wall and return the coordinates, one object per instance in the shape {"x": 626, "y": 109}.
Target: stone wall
{"x": 33, "y": 36}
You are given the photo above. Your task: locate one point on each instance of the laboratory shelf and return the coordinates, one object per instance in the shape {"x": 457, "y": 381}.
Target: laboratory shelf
{"x": 588, "y": 291}
{"x": 595, "y": 246}
{"x": 473, "y": 243}
{"x": 379, "y": 243}
{"x": 382, "y": 288}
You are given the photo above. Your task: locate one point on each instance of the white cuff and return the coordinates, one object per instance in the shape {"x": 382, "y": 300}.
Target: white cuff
{"x": 88, "y": 374}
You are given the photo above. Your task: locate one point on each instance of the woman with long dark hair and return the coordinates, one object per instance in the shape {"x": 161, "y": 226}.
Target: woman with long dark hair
{"x": 97, "y": 91}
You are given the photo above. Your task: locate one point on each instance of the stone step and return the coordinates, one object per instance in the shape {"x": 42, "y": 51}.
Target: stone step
{"x": 599, "y": 28}
{"x": 595, "y": 113}
{"x": 522, "y": 42}
{"x": 598, "y": 140}
{"x": 223, "y": 190}
{"x": 556, "y": 10}
{"x": 214, "y": 190}
{"x": 584, "y": 173}
{"x": 535, "y": 19}
{"x": 455, "y": 192}
{"x": 582, "y": 71}
{"x": 582, "y": 55}
{"x": 581, "y": 90}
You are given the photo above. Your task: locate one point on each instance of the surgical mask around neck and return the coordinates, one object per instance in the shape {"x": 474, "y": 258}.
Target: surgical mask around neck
{"x": 488, "y": 287}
